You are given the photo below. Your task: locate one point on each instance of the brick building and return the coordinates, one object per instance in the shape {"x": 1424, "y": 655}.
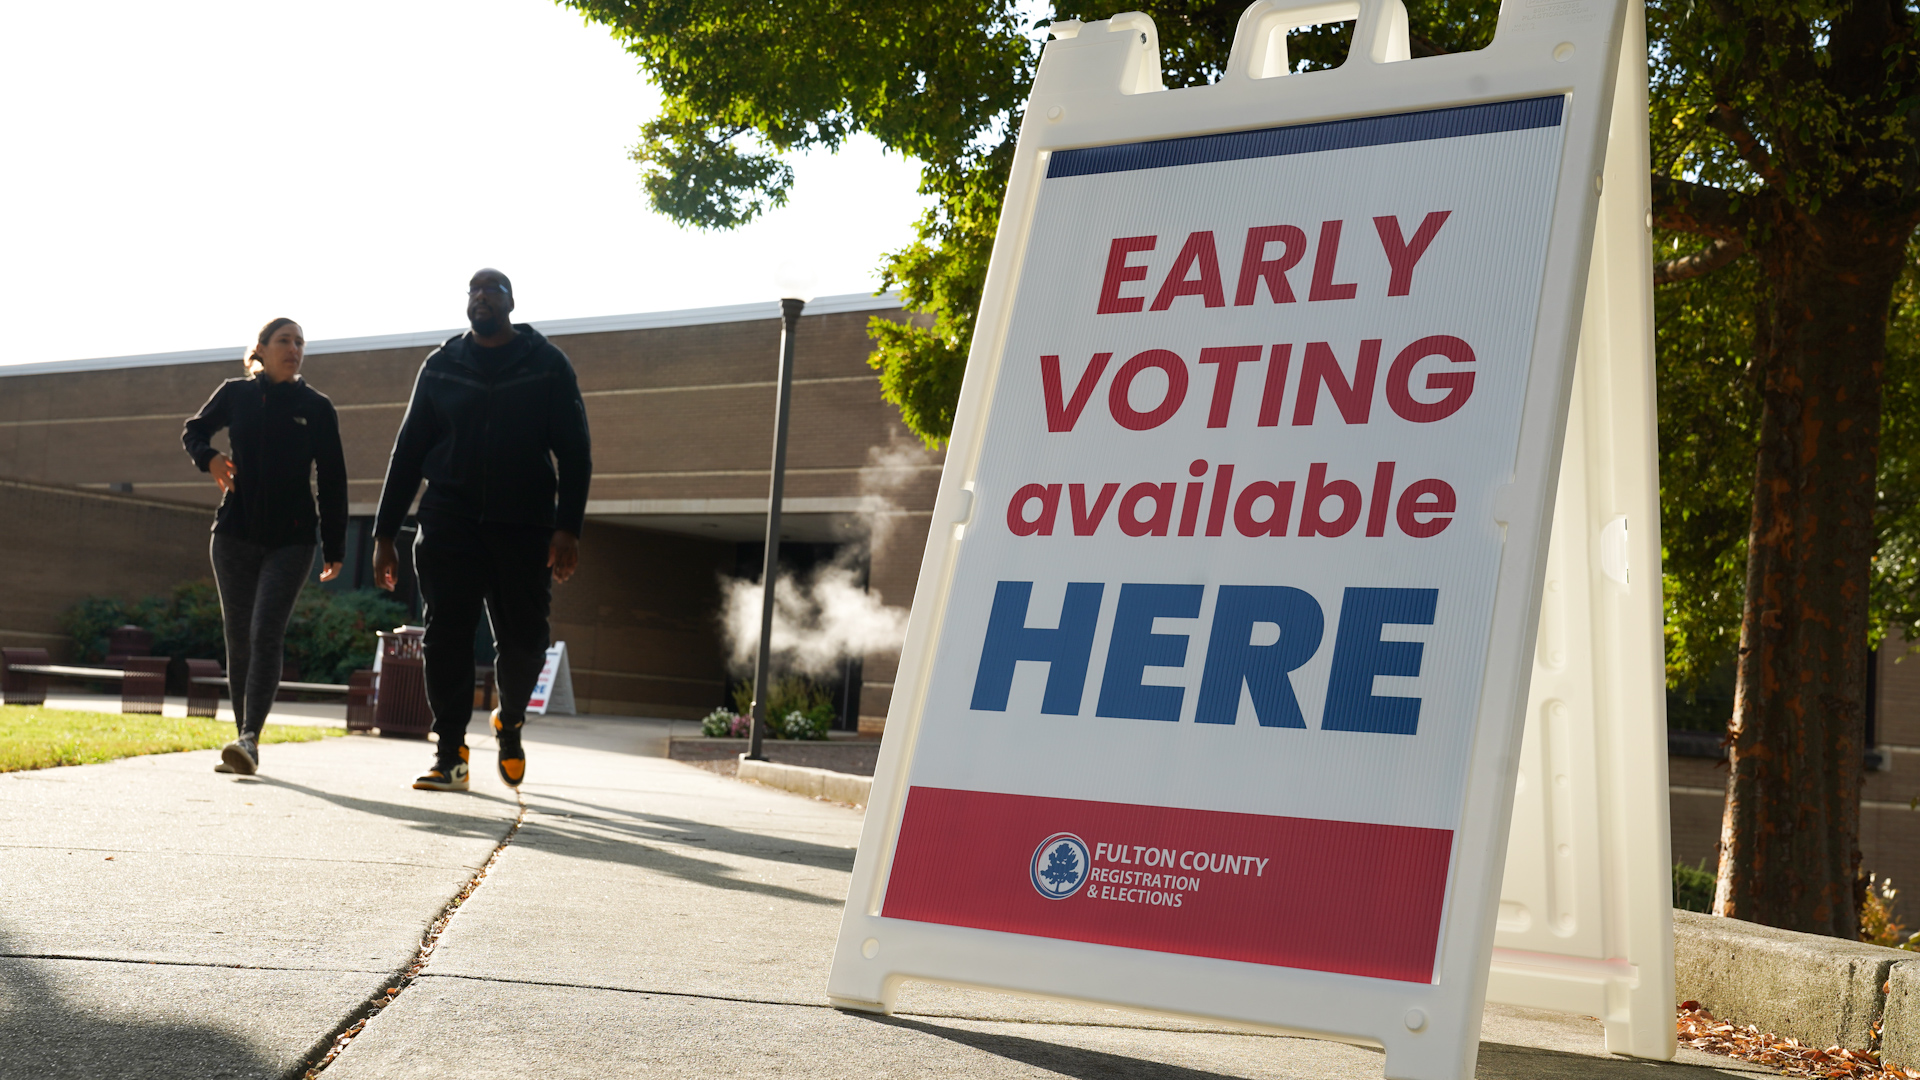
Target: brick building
{"x": 681, "y": 407}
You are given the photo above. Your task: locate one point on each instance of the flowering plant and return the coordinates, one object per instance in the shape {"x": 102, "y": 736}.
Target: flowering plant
{"x": 811, "y": 724}
{"x": 796, "y": 724}
{"x": 724, "y": 724}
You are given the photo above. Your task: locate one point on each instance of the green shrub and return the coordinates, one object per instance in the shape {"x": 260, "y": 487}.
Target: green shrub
{"x": 1693, "y": 887}
{"x": 87, "y": 624}
{"x": 1877, "y": 924}
{"x": 184, "y": 623}
{"x": 331, "y": 634}
{"x": 791, "y": 694}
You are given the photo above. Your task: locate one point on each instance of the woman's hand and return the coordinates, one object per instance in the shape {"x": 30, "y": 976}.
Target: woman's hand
{"x": 222, "y": 470}
{"x": 330, "y": 571}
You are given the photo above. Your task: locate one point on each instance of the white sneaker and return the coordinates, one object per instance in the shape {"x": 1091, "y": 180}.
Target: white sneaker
{"x": 241, "y": 756}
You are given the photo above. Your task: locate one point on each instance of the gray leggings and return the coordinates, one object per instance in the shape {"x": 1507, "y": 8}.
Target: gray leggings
{"x": 258, "y": 586}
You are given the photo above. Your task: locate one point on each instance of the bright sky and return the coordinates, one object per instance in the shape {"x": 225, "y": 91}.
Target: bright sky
{"x": 177, "y": 174}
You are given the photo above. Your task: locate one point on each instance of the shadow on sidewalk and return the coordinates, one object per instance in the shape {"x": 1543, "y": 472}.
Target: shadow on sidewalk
{"x": 1074, "y": 1061}
{"x": 664, "y": 828}
{"x": 649, "y": 849}
{"x": 1498, "y": 1061}
{"x": 1504, "y": 1061}
{"x": 637, "y": 736}
{"x": 50, "y": 1038}
{"x": 443, "y": 822}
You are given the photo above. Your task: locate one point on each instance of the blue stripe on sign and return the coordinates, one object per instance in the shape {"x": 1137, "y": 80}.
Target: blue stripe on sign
{"x": 1311, "y": 138}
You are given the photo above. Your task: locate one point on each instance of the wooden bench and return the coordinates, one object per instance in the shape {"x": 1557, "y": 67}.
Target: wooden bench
{"x": 205, "y": 678}
{"x": 25, "y": 673}
{"x": 304, "y": 687}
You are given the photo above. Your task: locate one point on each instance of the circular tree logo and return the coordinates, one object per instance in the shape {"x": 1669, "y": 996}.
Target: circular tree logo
{"x": 1060, "y": 865}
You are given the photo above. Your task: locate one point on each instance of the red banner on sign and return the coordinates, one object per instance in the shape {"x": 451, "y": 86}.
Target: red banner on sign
{"x": 1293, "y": 892}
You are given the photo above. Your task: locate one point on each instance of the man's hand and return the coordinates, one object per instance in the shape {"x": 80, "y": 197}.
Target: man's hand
{"x": 330, "y": 571}
{"x": 386, "y": 565}
{"x": 563, "y": 554}
{"x": 222, "y": 470}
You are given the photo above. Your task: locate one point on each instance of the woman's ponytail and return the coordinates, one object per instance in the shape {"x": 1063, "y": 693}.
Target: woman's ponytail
{"x": 252, "y": 360}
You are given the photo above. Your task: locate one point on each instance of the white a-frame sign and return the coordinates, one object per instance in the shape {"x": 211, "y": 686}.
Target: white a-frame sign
{"x": 1585, "y": 922}
{"x": 1214, "y": 693}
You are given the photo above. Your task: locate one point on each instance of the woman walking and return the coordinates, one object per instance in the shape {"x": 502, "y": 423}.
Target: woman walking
{"x": 281, "y": 432}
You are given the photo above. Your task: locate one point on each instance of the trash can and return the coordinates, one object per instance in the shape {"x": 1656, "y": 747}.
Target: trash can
{"x": 400, "y": 685}
{"x": 144, "y": 688}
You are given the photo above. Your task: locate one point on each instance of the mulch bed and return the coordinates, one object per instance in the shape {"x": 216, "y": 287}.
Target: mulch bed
{"x": 855, "y": 756}
{"x": 1700, "y": 1030}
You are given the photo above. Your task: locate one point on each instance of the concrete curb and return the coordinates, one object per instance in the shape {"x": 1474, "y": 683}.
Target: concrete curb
{"x": 1820, "y": 990}
{"x": 1900, "y": 1032}
{"x": 820, "y": 783}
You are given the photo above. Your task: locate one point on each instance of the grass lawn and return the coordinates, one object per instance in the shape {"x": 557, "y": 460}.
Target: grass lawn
{"x": 32, "y": 737}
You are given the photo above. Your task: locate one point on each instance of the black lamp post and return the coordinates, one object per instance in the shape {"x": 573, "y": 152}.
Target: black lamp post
{"x": 790, "y": 316}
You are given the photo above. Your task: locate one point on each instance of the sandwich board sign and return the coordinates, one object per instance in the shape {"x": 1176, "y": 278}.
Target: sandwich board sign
{"x": 1585, "y": 917}
{"x": 553, "y": 690}
{"x": 1214, "y": 688}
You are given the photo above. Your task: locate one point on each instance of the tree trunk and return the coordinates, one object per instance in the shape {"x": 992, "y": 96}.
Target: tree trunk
{"x": 1789, "y": 840}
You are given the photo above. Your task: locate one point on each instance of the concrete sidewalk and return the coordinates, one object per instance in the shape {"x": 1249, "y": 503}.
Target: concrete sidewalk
{"x": 312, "y": 713}
{"x": 159, "y": 919}
{"x": 649, "y": 917}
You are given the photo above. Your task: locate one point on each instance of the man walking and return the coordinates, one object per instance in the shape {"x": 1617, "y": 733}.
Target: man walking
{"x": 493, "y": 411}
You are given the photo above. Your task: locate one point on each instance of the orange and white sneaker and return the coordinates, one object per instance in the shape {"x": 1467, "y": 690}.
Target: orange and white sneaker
{"x": 447, "y": 774}
{"x": 513, "y": 755}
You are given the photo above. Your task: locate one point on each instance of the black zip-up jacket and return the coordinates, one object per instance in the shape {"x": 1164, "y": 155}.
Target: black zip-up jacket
{"x": 281, "y": 435}
{"x": 487, "y": 437}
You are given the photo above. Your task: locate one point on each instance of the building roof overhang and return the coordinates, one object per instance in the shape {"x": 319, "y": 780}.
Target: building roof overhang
{"x": 597, "y": 324}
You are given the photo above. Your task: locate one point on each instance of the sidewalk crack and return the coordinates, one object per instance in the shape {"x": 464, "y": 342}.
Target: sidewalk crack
{"x": 341, "y": 1037}
{"x": 179, "y": 963}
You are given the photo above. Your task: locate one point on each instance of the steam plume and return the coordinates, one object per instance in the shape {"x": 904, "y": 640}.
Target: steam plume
{"x": 828, "y": 616}
{"x": 816, "y": 622}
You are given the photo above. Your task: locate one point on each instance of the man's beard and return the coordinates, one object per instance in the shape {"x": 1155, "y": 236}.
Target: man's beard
{"x": 487, "y": 325}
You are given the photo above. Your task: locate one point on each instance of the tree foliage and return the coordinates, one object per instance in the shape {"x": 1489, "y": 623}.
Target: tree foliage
{"x": 744, "y": 84}
{"x": 1896, "y": 569}
{"x": 1788, "y": 130}
{"x": 1709, "y": 426}
{"x": 1763, "y": 112}
{"x": 1709, "y": 419}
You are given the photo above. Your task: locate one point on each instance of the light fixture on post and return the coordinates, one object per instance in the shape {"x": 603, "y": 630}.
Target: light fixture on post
{"x": 790, "y": 309}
